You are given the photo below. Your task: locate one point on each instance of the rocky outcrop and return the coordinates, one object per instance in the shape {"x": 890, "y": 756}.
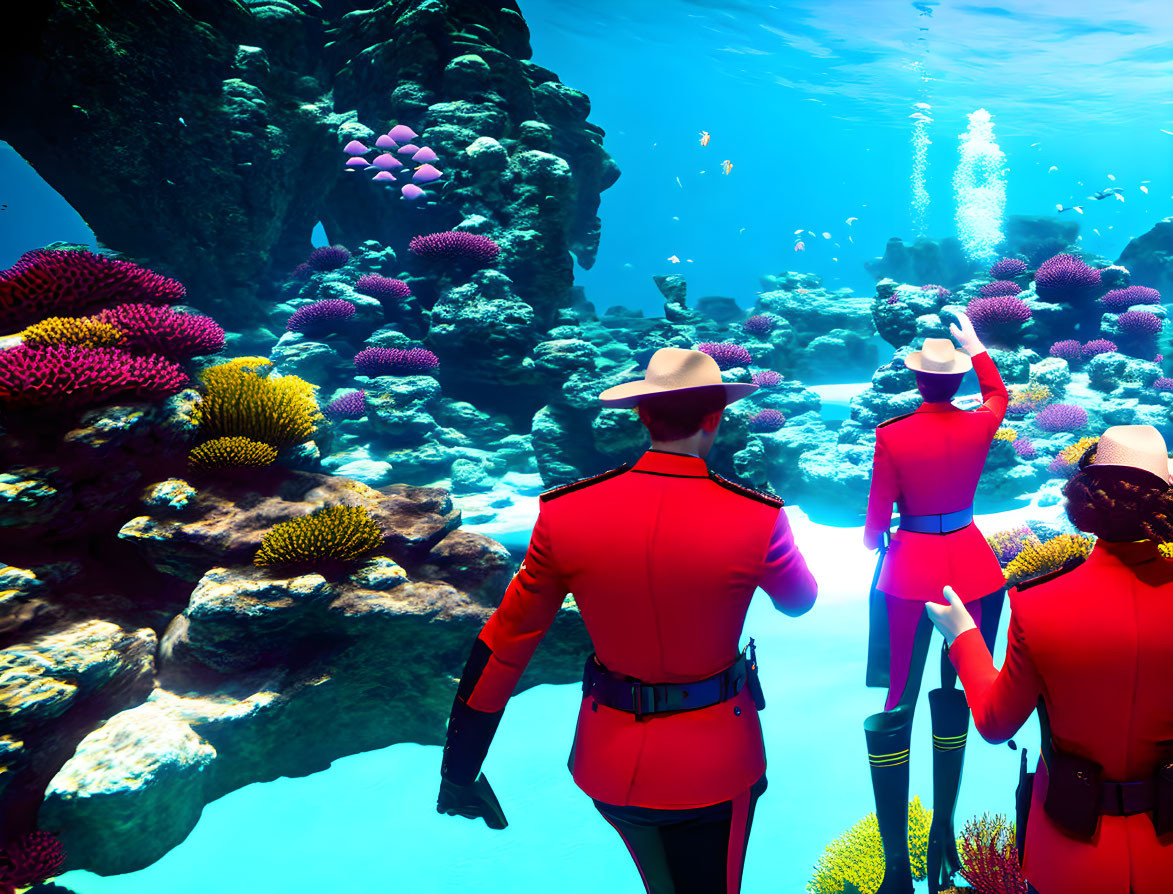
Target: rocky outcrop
{"x": 205, "y": 139}
{"x": 1149, "y": 257}
{"x": 942, "y": 262}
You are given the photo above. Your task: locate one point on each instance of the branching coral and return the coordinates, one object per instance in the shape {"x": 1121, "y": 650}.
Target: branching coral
{"x": 1008, "y": 544}
{"x": 989, "y": 857}
{"x": 32, "y": 858}
{"x": 152, "y": 329}
{"x": 382, "y": 287}
{"x": 237, "y": 402}
{"x": 1005, "y": 434}
{"x": 857, "y": 856}
{"x": 231, "y": 453}
{"x": 1048, "y": 556}
{"x": 320, "y": 316}
{"x": 767, "y": 421}
{"x": 82, "y": 332}
{"x": 1030, "y": 399}
{"x": 1065, "y": 461}
{"x": 68, "y": 376}
{"x": 1061, "y": 417}
{"x": 333, "y": 534}
{"x": 352, "y": 405}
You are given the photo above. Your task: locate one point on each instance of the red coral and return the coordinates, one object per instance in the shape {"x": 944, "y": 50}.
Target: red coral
{"x": 57, "y": 282}
{"x": 69, "y": 376}
{"x": 32, "y": 859}
{"x": 989, "y": 858}
{"x": 161, "y": 330}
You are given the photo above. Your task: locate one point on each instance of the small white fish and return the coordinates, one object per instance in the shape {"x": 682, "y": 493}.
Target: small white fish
{"x": 835, "y": 259}
{"x": 678, "y": 183}
{"x": 676, "y": 218}
{"x": 742, "y": 230}
{"x": 1170, "y": 132}
{"x": 1032, "y": 145}
{"x": 826, "y": 235}
{"x": 1119, "y": 196}
{"x": 184, "y": 123}
{"x": 1097, "y": 232}
{"x": 1111, "y": 176}
{"x": 1052, "y": 169}
{"x": 674, "y": 259}
{"x": 1079, "y": 210}
{"x": 812, "y": 234}
{"x": 921, "y": 105}
{"x": 798, "y": 232}
{"x": 852, "y": 241}
{"x": 701, "y": 172}
{"x": 1144, "y": 189}
{"x": 688, "y": 260}
{"x": 851, "y": 220}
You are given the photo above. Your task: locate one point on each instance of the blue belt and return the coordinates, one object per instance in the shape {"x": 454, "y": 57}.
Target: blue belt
{"x": 945, "y": 523}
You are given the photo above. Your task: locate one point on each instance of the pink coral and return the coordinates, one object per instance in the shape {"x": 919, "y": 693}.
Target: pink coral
{"x": 68, "y": 376}
{"x": 31, "y": 859}
{"x": 456, "y": 246}
{"x": 989, "y": 858}
{"x": 161, "y": 330}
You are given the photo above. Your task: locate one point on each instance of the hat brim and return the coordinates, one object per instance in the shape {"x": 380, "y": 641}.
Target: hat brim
{"x": 961, "y": 363}
{"x": 630, "y": 394}
{"x": 1114, "y": 470}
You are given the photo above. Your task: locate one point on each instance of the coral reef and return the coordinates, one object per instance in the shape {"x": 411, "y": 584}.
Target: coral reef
{"x": 1008, "y": 267}
{"x": 456, "y": 247}
{"x": 328, "y": 257}
{"x": 351, "y": 405}
{"x": 320, "y": 316}
{"x": 1065, "y": 278}
{"x": 989, "y": 856}
{"x": 155, "y": 329}
{"x": 82, "y": 332}
{"x": 857, "y": 856}
{"x": 236, "y": 401}
{"x": 332, "y": 534}
{"x": 395, "y": 362}
{"x": 32, "y": 858}
{"x": 231, "y": 453}
{"x": 63, "y": 376}
{"x": 1033, "y": 560}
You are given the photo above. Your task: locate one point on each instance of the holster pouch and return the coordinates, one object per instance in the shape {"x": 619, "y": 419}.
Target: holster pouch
{"x": 751, "y": 680}
{"x": 1163, "y": 811}
{"x": 1022, "y": 796}
{"x": 1074, "y": 792}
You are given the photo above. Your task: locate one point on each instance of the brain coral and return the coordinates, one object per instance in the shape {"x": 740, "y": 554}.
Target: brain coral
{"x": 1066, "y": 278}
{"x": 161, "y": 330}
{"x": 49, "y": 282}
{"x": 727, "y": 354}
{"x": 83, "y": 332}
{"x": 329, "y": 535}
{"x": 70, "y": 376}
{"x": 455, "y": 246}
{"x": 231, "y": 453}
{"x": 857, "y": 856}
{"x": 237, "y": 402}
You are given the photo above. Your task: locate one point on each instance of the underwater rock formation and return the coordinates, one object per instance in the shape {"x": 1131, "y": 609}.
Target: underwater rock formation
{"x": 1149, "y": 257}
{"x": 204, "y": 139}
{"x": 925, "y": 261}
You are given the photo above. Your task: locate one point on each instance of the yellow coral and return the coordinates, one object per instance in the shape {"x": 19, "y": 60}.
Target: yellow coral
{"x": 253, "y": 363}
{"x": 857, "y": 856}
{"x": 331, "y": 534}
{"x": 232, "y": 453}
{"x": 1072, "y": 453}
{"x": 84, "y": 332}
{"x": 239, "y": 402}
{"x": 1030, "y": 397}
{"x": 1005, "y": 434}
{"x": 1048, "y": 556}
{"x": 1166, "y": 550}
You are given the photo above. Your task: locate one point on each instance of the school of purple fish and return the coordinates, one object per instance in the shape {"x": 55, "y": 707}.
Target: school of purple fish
{"x": 387, "y": 164}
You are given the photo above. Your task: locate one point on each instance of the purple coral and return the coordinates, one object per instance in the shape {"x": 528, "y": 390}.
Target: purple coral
{"x": 1163, "y": 383}
{"x": 760, "y": 324}
{"x": 1139, "y": 322}
{"x": 320, "y": 316}
{"x": 1069, "y": 349}
{"x": 351, "y": 405}
{"x": 1000, "y": 287}
{"x": 329, "y": 257}
{"x": 395, "y": 361}
{"x": 1024, "y": 447}
{"x": 383, "y": 287}
{"x": 766, "y": 378}
{"x": 70, "y": 376}
{"x": 1001, "y": 315}
{"x": 1008, "y": 267}
{"x": 766, "y": 421}
{"x": 456, "y": 246}
{"x": 1061, "y": 417}
{"x": 1119, "y": 300}
{"x": 942, "y": 292}
{"x": 727, "y": 354}
{"x": 155, "y": 329}
{"x": 1097, "y": 346}
{"x": 1066, "y": 278}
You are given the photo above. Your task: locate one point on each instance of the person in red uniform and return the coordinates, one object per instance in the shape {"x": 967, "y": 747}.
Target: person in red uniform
{"x": 1091, "y": 645}
{"x": 662, "y": 556}
{"x": 928, "y": 463}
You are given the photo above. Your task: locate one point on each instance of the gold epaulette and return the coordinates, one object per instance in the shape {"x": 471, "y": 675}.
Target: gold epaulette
{"x": 584, "y": 482}
{"x": 762, "y": 496}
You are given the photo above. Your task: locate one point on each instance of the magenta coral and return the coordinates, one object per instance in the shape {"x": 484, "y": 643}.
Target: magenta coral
{"x": 456, "y": 246}
{"x": 1000, "y": 287}
{"x": 1066, "y": 278}
{"x": 162, "y": 330}
{"x": 1007, "y": 267}
{"x": 766, "y": 421}
{"x": 351, "y": 405}
{"x": 727, "y": 354}
{"x": 766, "y": 378}
{"x": 383, "y": 287}
{"x": 1068, "y": 349}
{"x": 69, "y": 376}
{"x": 395, "y": 361}
{"x": 1139, "y": 322}
{"x": 759, "y": 324}
{"x": 31, "y": 859}
{"x": 60, "y": 282}
{"x": 320, "y": 316}
{"x": 329, "y": 257}
{"x": 1061, "y": 417}
{"x": 989, "y": 857}
{"x": 1097, "y": 346}
{"x": 1000, "y": 315}
{"x": 1119, "y": 300}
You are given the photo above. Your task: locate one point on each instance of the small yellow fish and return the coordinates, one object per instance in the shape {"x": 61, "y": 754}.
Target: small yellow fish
{"x": 674, "y": 259}
{"x": 705, "y": 138}
{"x": 726, "y": 166}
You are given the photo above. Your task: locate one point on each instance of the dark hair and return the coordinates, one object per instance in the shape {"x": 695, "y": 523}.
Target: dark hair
{"x": 1119, "y": 502}
{"x": 678, "y": 414}
{"x": 936, "y": 387}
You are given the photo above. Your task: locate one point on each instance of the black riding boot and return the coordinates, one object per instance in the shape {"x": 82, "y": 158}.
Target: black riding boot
{"x": 888, "y": 735}
{"x": 950, "y": 714}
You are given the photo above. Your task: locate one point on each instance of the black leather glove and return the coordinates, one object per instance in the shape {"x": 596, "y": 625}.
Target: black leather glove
{"x": 475, "y": 800}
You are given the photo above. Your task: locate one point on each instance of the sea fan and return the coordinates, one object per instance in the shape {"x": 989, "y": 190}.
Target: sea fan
{"x": 989, "y": 857}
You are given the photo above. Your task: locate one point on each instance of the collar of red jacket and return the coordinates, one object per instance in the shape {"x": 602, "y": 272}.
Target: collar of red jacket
{"x": 1130, "y": 552}
{"x": 660, "y": 462}
{"x": 938, "y": 407}
{"x": 1142, "y": 556}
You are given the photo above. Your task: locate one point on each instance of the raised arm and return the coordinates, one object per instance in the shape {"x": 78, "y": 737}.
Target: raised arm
{"x": 995, "y": 397}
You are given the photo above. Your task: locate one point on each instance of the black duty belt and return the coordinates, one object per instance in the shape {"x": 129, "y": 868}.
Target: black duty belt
{"x": 637, "y": 697}
{"x": 945, "y": 523}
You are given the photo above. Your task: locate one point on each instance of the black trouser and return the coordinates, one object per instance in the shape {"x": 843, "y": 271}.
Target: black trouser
{"x": 682, "y": 851}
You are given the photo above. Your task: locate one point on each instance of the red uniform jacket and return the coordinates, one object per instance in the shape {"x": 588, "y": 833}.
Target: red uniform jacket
{"x": 1096, "y": 643}
{"x": 928, "y": 462}
{"x": 662, "y": 558}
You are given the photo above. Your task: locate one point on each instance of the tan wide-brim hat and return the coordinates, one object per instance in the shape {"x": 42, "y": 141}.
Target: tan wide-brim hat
{"x": 1135, "y": 447}
{"x": 937, "y": 355}
{"x": 675, "y": 369}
